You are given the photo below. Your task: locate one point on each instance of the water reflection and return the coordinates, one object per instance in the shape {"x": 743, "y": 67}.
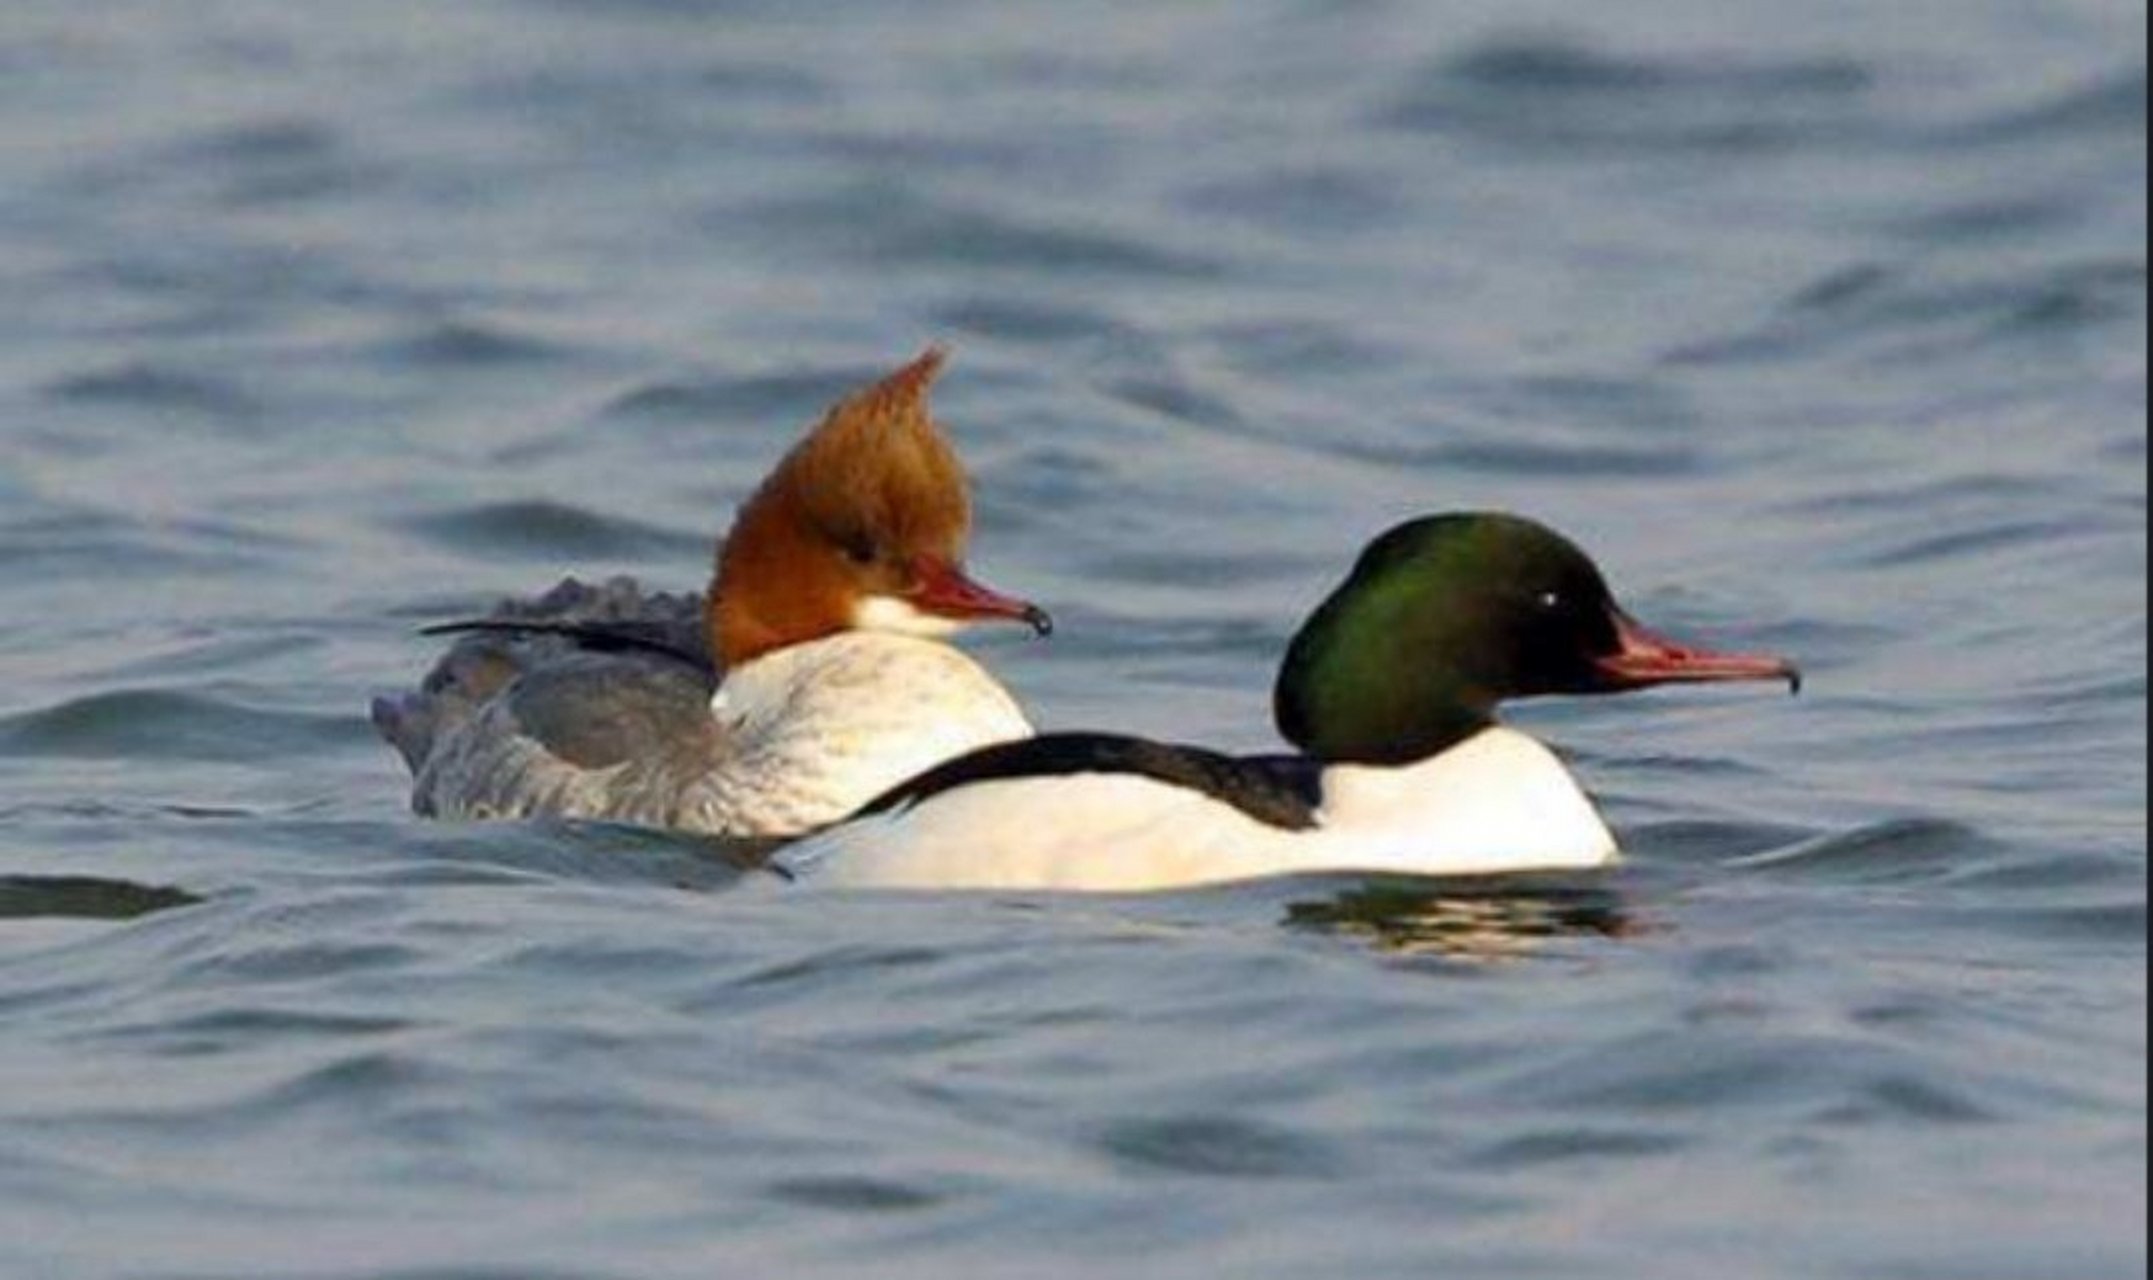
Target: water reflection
{"x": 597, "y": 852}
{"x": 1486, "y": 918}
{"x": 85, "y": 898}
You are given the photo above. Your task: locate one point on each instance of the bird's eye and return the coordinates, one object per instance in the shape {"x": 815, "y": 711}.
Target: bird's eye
{"x": 860, "y": 551}
{"x": 1549, "y": 601}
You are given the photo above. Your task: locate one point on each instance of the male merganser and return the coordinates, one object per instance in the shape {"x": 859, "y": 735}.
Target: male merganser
{"x": 809, "y": 679}
{"x": 1389, "y": 690}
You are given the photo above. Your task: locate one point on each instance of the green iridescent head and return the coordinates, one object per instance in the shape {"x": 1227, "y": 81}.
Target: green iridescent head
{"x": 1446, "y": 617}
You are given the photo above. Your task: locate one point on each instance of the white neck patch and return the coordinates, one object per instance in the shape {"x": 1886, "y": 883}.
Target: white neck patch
{"x": 901, "y": 617}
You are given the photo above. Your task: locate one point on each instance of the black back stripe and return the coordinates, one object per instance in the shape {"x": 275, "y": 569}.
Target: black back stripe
{"x": 1281, "y": 791}
{"x": 599, "y": 637}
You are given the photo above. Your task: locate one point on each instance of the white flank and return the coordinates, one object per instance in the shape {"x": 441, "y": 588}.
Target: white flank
{"x": 1498, "y": 802}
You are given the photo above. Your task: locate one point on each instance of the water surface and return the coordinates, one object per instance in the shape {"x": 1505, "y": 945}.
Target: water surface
{"x": 1824, "y": 325}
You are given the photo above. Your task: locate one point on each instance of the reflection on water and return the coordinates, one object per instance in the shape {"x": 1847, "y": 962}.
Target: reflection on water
{"x": 85, "y": 898}
{"x": 1485, "y": 918}
{"x": 598, "y": 852}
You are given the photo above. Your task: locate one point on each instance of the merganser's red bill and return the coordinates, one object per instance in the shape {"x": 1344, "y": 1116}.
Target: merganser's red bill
{"x": 1646, "y": 658}
{"x": 944, "y": 589}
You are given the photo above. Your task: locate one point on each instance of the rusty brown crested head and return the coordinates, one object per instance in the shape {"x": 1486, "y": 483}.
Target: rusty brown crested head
{"x": 864, "y": 524}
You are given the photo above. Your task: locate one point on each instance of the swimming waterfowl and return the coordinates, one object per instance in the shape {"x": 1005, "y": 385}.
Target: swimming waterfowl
{"x": 809, "y": 678}
{"x": 1389, "y": 692}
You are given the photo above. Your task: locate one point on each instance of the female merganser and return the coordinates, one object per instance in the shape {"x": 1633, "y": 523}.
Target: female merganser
{"x": 809, "y": 679}
{"x": 1389, "y": 690}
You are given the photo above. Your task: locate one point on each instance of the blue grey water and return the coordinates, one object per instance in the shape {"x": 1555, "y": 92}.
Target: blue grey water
{"x": 1823, "y": 323}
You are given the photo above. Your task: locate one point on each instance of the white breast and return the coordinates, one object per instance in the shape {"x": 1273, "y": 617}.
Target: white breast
{"x": 816, "y": 730}
{"x": 1498, "y": 802}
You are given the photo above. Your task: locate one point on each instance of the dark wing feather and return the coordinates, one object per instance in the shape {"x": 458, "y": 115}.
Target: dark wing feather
{"x": 599, "y": 637}
{"x": 1282, "y": 791}
{"x": 573, "y": 622}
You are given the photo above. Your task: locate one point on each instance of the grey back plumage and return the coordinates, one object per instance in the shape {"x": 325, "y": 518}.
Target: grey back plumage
{"x": 581, "y": 700}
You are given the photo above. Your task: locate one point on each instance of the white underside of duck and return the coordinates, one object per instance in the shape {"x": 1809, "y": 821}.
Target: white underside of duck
{"x": 1497, "y": 802}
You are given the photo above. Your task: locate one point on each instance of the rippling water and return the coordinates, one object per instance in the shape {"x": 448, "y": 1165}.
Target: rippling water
{"x": 1823, "y": 324}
